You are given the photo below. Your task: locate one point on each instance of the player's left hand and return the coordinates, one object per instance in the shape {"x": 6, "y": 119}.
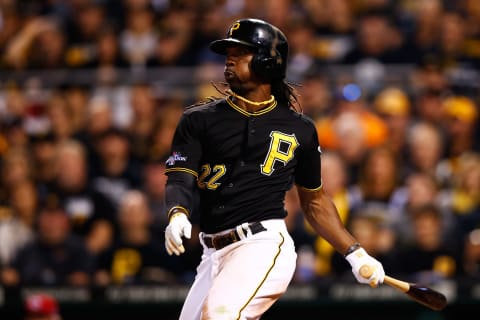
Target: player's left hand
{"x": 178, "y": 227}
{"x": 359, "y": 258}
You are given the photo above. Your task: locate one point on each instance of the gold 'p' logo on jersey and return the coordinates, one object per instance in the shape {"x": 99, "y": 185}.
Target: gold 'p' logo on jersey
{"x": 275, "y": 152}
{"x": 234, "y": 27}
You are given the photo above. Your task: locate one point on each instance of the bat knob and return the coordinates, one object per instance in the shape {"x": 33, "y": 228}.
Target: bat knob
{"x": 366, "y": 271}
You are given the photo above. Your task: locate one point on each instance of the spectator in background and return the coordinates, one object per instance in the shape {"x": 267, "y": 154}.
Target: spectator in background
{"x": 107, "y": 54}
{"x": 427, "y": 17}
{"x": 56, "y": 257}
{"x": 145, "y": 115}
{"x": 39, "y": 45}
{"x": 14, "y": 104}
{"x": 301, "y": 38}
{"x": 76, "y": 97}
{"x": 15, "y": 135}
{"x": 42, "y": 150}
{"x": 277, "y": 12}
{"x": 174, "y": 43}
{"x": 337, "y": 36}
{"x": 460, "y": 123}
{"x": 137, "y": 256}
{"x": 106, "y": 58}
{"x": 91, "y": 214}
{"x": 373, "y": 40}
{"x": 117, "y": 171}
{"x": 23, "y": 200}
{"x": 452, "y": 49}
{"x": 421, "y": 189}
{"x": 471, "y": 258}
{"x": 378, "y": 184}
{"x": 393, "y": 105}
{"x": 210, "y": 26}
{"x": 60, "y": 117}
{"x": 428, "y": 102}
{"x": 16, "y": 167}
{"x": 99, "y": 119}
{"x": 11, "y": 24}
{"x": 138, "y": 39}
{"x": 82, "y": 27}
{"x": 315, "y": 97}
{"x": 463, "y": 197}
{"x": 17, "y": 229}
{"x": 431, "y": 256}
{"x": 352, "y": 130}
{"x": 424, "y": 150}
{"x": 41, "y": 306}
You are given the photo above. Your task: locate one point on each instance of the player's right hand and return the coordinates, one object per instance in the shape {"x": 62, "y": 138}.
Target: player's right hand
{"x": 178, "y": 227}
{"x": 359, "y": 258}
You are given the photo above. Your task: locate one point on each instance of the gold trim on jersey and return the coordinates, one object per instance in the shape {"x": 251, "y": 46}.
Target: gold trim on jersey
{"x": 250, "y": 114}
{"x": 179, "y": 209}
{"x": 253, "y": 103}
{"x": 311, "y": 190}
{"x": 264, "y": 278}
{"x": 194, "y": 173}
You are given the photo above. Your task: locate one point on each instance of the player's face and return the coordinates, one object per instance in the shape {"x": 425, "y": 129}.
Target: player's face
{"x": 237, "y": 66}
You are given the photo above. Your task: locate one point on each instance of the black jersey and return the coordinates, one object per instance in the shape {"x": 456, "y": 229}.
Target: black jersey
{"x": 244, "y": 162}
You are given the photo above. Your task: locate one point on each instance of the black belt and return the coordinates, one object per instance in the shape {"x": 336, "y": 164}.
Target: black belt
{"x": 221, "y": 241}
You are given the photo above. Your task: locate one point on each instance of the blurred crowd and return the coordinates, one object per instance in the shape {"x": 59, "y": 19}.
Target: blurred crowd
{"x": 393, "y": 87}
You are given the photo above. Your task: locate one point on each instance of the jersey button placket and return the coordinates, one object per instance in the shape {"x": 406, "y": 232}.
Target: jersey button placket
{"x": 251, "y": 125}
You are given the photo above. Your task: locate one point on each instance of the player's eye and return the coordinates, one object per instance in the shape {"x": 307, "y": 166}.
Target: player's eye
{"x": 239, "y": 51}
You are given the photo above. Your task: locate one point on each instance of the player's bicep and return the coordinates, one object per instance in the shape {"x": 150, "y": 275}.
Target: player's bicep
{"x": 308, "y": 170}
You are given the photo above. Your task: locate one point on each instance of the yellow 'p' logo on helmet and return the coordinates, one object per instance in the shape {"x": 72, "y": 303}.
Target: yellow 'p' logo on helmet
{"x": 234, "y": 27}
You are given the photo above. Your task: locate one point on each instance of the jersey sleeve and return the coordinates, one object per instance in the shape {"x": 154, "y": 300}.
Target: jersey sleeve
{"x": 186, "y": 147}
{"x": 308, "y": 171}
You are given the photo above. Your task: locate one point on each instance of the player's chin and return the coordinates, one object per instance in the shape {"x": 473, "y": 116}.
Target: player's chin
{"x": 231, "y": 78}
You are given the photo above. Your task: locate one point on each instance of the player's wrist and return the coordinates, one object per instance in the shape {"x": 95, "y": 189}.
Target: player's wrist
{"x": 354, "y": 247}
{"x": 175, "y": 212}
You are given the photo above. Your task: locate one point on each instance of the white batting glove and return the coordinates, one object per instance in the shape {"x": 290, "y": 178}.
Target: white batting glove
{"x": 359, "y": 258}
{"x": 178, "y": 227}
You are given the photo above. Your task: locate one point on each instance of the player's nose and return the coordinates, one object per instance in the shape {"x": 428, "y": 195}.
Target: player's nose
{"x": 229, "y": 62}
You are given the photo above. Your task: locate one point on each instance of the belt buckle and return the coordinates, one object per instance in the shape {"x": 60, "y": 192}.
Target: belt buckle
{"x": 214, "y": 242}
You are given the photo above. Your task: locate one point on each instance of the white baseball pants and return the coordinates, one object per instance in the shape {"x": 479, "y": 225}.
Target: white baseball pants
{"x": 242, "y": 280}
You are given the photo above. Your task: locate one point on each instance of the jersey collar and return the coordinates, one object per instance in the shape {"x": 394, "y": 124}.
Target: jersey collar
{"x": 251, "y": 114}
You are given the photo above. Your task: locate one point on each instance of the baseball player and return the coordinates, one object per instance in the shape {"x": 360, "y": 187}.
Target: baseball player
{"x": 243, "y": 152}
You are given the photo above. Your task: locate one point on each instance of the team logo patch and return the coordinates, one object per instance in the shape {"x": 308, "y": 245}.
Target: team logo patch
{"x": 176, "y": 156}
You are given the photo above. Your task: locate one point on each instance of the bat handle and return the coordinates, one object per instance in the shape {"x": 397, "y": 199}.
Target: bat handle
{"x": 366, "y": 271}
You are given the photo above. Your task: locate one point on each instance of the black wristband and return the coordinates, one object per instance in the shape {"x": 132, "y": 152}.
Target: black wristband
{"x": 352, "y": 248}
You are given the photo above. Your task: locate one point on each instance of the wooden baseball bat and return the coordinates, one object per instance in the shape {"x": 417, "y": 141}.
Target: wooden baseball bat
{"x": 423, "y": 295}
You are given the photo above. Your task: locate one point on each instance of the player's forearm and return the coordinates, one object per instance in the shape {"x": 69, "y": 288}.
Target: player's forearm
{"x": 323, "y": 216}
{"x": 179, "y": 192}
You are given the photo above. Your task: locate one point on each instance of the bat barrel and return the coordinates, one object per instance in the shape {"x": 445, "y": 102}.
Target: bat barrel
{"x": 423, "y": 295}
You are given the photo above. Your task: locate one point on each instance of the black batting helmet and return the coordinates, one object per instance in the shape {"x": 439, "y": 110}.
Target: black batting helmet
{"x": 270, "y": 60}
